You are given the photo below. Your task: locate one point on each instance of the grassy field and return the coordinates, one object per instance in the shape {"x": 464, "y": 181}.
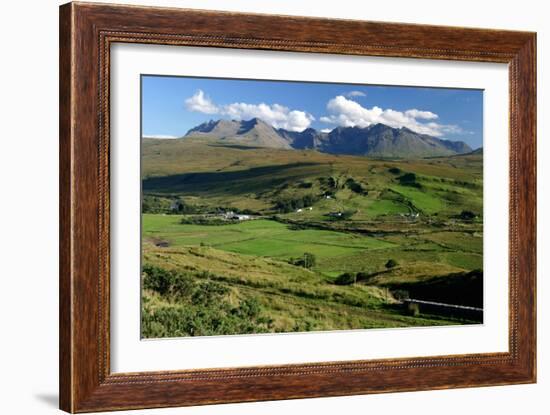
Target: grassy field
{"x": 325, "y": 242}
{"x": 266, "y": 238}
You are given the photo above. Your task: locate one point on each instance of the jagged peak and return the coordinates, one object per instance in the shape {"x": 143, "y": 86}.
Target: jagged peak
{"x": 340, "y": 140}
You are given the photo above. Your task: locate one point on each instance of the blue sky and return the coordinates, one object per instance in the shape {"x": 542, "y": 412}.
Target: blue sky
{"x": 173, "y": 105}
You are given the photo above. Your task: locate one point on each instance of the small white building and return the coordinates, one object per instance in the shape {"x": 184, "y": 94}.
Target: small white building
{"x": 230, "y": 215}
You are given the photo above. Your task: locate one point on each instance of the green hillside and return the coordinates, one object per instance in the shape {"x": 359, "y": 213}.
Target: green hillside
{"x": 302, "y": 240}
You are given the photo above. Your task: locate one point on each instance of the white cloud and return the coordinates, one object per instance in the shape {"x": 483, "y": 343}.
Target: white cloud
{"x": 348, "y": 113}
{"x": 356, "y": 94}
{"x": 161, "y": 136}
{"x": 276, "y": 115}
{"x": 326, "y": 130}
{"x": 425, "y": 115}
{"x": 201, "y": 103}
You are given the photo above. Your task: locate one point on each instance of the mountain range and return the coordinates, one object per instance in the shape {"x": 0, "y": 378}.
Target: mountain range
{"x": 377, "y": 140}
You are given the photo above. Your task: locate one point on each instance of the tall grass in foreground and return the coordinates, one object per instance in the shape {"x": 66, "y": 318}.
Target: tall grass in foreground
{"x": 195, "y": 308}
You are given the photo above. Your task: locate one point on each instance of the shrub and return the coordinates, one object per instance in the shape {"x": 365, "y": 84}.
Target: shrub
{"x": 362, "y": 276}
{"x": 168, "y": 205}
{"x": 394, "y": 170}
{"x": 153, "y": 204}
{"x": 346, "y": 278}
{"x": 307, "y": 261}
{"x": 249, "y": 308}
{"x": 355, "y": 187}
{"x": 409, "y": 179}
{"x": 467, "y": 215}
{"x": 167, "y": 283}
{"x": 391, "y": 263}
{"x": 194, "y": 305}
{"x": 157, "y": 279}
{"x": 207, "y": 292}
{"x": 181, "y": 207}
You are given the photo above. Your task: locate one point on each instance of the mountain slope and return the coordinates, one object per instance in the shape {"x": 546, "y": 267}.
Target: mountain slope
{"x": 217, "y": 129}
{"x": 377, "y": 140}
{"x": 307, "y": 139}
{"x": 254, "y": 132}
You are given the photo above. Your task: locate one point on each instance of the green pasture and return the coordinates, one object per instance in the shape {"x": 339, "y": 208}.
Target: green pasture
{"x": 260, "y": 237}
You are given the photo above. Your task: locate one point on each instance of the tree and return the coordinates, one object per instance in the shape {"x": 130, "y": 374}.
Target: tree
{"x": 309, "y": 260}
{"x": 409, "y": 179}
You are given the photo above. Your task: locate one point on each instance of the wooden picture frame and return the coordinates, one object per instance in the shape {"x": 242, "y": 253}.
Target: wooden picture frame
{"x": 86, "y": 33}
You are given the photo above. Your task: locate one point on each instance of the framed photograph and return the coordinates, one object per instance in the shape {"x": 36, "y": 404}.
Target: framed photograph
{"x": 260, "y": 207}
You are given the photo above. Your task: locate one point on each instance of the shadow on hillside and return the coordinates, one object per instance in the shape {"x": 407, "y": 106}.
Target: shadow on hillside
{"x": 460, "y": 288}
{"x": 233, "y": 182}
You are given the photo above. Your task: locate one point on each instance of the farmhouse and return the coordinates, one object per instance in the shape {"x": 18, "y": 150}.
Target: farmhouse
{"x": 242, "y": 217}
{"x": 230, "y": 215}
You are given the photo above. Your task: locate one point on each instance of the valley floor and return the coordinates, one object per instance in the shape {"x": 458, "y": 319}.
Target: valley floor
{"x": 253, "y": 263}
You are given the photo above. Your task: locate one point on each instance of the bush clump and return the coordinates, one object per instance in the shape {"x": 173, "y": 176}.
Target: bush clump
{"x": 166, "y": 205}
{"x": 352, "y": 277}
{"x": 347, "y": 278}
{"x": 467, "y": 215}
{"x": 307, "y": 260}
{"x": 409, "y": 179}
{"x": 394, "y": 170}
{"x": 194, "y": 305}
{"x": 391, "y": 263}
{"x": 355, "y": 187}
